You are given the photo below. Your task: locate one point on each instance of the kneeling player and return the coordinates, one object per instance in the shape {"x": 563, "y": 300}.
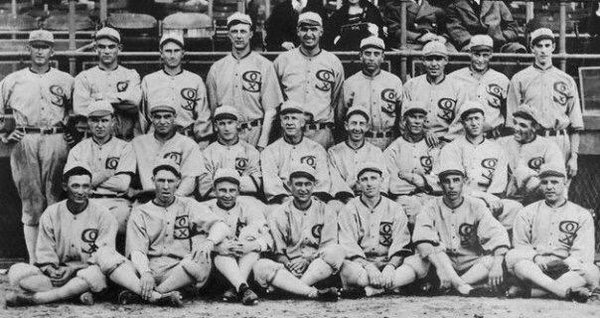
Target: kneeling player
{"x": 304, "y": 232}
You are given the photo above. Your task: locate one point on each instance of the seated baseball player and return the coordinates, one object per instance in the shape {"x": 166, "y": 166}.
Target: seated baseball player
{"x": 554, "y": 244}
{"x": 305, "y": 251}
{"x": 74, "y": 251}
{"x": 374, "y": 234}
{"x": 250, "y": 236}
{"x": 111, "y": 161}
{"x": 293, "y": 149}
{"x": 409, "y": 161}
{"x": 458, "y": 235}
{"x": 346, "y": 157}
{"x": 485, "y": 163}
{"x": 170, "y": 239}
{"x": 230, "y": 152}
{"x": 164, "y": 142}
{"x": 527, "y": 152}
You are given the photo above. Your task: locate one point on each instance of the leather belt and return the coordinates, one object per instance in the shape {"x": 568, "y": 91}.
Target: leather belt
{"x": 250, "y": 124}
{"x": 552, "y": 132}
{"x": 43, "y": 131}
{"x": 318, "y": 126}
{"x": 379, "y": 134}
{"x": 104, "y": 196}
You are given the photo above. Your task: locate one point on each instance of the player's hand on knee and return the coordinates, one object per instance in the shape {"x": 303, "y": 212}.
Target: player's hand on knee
{"x": 387, "y": 276}
{"x": 375, "y": 277}
{"x": 15, "y": 136}
{"x": 147, "y": 285}
{"x": 62, "y": 275}
{"x": 431, "y": 139}
{"x": 201, "y": 251}
{"x": 496, "y": 275}
{"x": 298, "y": 265}
{"x": 226, "y": 248}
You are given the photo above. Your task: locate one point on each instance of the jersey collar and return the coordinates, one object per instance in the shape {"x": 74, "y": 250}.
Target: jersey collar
{"x": 376, "y": 204}
{"x": 178, "y": 73}
{"x": 535, "y": 65}
{"x": 224, "y": 208}
{"x": 360, "y": 147}
{"x": 109, "y": 139}
{"x": 431, "y": 83}
{"x": 241, "y": 57}
{"x": 309, "y": 56}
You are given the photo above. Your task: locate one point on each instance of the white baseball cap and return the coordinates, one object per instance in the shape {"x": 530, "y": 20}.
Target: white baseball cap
{"x": 174, "y": 37}
{"x": 100, "y": 108}
{"x": 226, "y": 112}
{"x": 303, "y": 170}
{"x": 435, "y": 48}
{"x": 226, "y": 174}
{"x": 310, "y": 18}
{"x": 372, "y": 41}
{"x": 41, "y": 36}
{"x": 237, "y": 18}
{"x": 481, "y": 42}
{"x": 541, "y": 34}
{"x": 108, "y": 33}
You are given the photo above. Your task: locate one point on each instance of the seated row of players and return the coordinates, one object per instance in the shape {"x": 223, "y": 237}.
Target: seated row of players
{"x": 173, "y": 242}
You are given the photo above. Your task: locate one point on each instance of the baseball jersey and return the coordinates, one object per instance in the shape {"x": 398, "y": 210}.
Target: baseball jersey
{"x": 157, "y": 231}
{"x": 566, "y": 231}
{"x": 182, "y": 150}
{"x": 65, "y": 237}
{"x": 114, "y": 158}
{"x": 313, "y": 81}
{"x": 37, "y": 100}
{"x": 443, "y": 101}
{"x": 298, "y": 233}
{"x": 489, "y": 89}
{"x": 345, "y": 162}
{"x": 374, "y": 234}
{"x": 280, "y": 157}
{"x": 412, "y": 157}
{"x": 246, "y": 220}
{"x": 380, "y": 94}
{"x": 464, "y": 233}
{"x": 552, "y": 92}
{"x": 485, "y": 164}
{"x": 250, "y": 84}
{"x": 185, "y": 92}
{"x": 242, "y": 157}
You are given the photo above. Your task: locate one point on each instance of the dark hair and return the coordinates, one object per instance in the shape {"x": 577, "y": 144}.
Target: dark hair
{"x": 76, "y": 171}
{"x": 302, "y": 174}
{"x": 167, "y": 168}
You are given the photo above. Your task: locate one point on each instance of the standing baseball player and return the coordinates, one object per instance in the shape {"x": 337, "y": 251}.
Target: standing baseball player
{"x": 39, "y": 99}
{"x": 313, "y": 78}
{"x": 553, "y": 94}
{"x": 184, "y": 90}
{"x": 249, "y": 235}
{"x": 378, "y": 91}
{"x": 554, "y": 244}
{"x": 293, "y": 149}
{"x": 374, "y": 235}
{"x": 247, "y": 81}
{"x": 232, "y": 153}
{"x": 443, "y": 97}
{"x": 304, "y": 232}
{"x": 112, "y": 82}
{"x": 484, "y": 84}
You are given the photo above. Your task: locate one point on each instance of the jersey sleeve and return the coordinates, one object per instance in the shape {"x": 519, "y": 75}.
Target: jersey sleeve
{"x": 350, "y": 234}
{"x": 192, "y": 167}
{"x": 500, "y": 178}
{"x": 205, "y": 181}
{"x": 82, "y": 94}
{"x": 133, "y": 94}
{"x": 323, "y": 178}
{"x": 136, "y": 236}
{"x": 279, "y": 231}
{"x": 273, "y": 185}
{"x": 583, "y": 248}
{"x": 203, "y": 124}
{"x": 251, "y": 180}
{"x": 337, "y": 93}
{"x": 257, "y": 220}
{"x": 425, "y": 234}
{"x": 522, "y": 241}
{"x": 338, "y": 184}
{"x": 211, "y": 88}
{"x": 271, "y": 96}
{"x": 492, "y": 235}
{"x": 329, "y": 232}
{"x": 574, "y": 108}
{"x": 400, "y": 233}
{"x": 513, "y": 99}
{"x": 145, "y": 120}
{"x": 45, "y": 248}
{"x": 202, "y": 217}
{"x": 107, "y": 231}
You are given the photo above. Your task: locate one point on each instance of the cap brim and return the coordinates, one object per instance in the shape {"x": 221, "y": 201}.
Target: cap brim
{"x": 170, "y": 40}
{"x": 100, "y": 113}
{"x": 356, "y": 111}
{"x": 309, "y": 22}
{"x": 228, "y": 179}
{"x": 415, "y": 110}
{"x": 450, "y": 172}
{"x": 168, "y": 168}
{"x": 290, "y": 111}
{"x": 41, "y": 41}
{"x": 366, "y": 46}
{"x": 302, "y": 174}
{"x": 236, "y": 22}
{"x": 470, "y": 111}
{"x": 551, "y": 173}
{"x": 162, "y": 109}
{"x": 523, "y": 115}
{"x": 542, "y": 37}
{"x": 481, "y": 48}
{"x": 110, "y": 37}
{"x": 436, "y": 54}
{"x": 370, "y": 169}
{"x": 225, "y": 116}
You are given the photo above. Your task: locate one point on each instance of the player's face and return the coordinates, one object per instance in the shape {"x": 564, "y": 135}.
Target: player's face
{"x": 107, "y": 50}
{"x": 480, "y": 60}
{"x": 310, "y": 35}
{"x": 435, "y": 65}
{"x": 163, "y": 122}
{"x": 542, "y": 51}
{"x": 370, "y": 183}
{"x": 40, "y": 53}
{"x": 452, "y": 186}
{"x": 100, "y": 126}
{"x": 301, "y": 189}
{"x": 165, "y": 184}
{"x": 473, "y": 124}
{"x": 227, "y": 129}
{"x": 356, "y": 126}
{"x": 226, "y": 192}
{"x": 524, "y": 129}
{"x": 292, "y": 123}
{"x": 79, "y": 188}
{"x": 371, "y": 59}
{"x": 171, "y": 54}
{"x": 553, "y": 188}
{"x": 240, "y": 35}
{"x": 415, "y": 122}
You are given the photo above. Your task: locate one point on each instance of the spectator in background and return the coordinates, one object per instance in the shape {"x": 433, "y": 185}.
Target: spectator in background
{"x": 470, "y": 17}
{"x": 281, "y": 25}
{"x": 354, "y": 21}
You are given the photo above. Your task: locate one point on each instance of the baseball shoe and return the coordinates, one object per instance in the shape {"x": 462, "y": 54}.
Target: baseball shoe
{"x": 249, "y": 297}
{"x": 127, "y": 297}
{"x": 579, "y": 294}
{"x": 482, "y": 292}
{"x": 328, "y": 294}
{"x": 86, "y": 299}
{"x": 19, "y": 300}
{"x": 352, "y": 293}
{"x": 230, "y": 295}
{"x": 517, "y": 291}
{"x": 171, "y": 299}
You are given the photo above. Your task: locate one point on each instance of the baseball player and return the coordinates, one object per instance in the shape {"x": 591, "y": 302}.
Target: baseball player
{"x": 527, "y": 152}
{"x": 165, "y": 143}
{"x": 313, "y": 78}
{"x": 409, "y": 161}
{"x": 551, "y": 232}
{"x": 304, "y": 232}
{"x": 374, "y": 235}
{"x": 443, "y": 98}
{"x": 74, "y": 251}
{"x": 482, "y": 83}
{"x": 111, "y": 162}
{"x": 378, "y": 91}
{"x": 459, "y": 236}
{"x": 249, "y": 235}
{"x": 170, "y": 239}
{"x": 179, "y": 88}
{"x": 247, "y": 81}
{"x": 346, "y": 157}
{"x": 232, "y": 153}
{"x": 112, "y": 82}
{"x": 39, "y": 99}
{"x": 292, "y": 149}
{"x": 553, "y": 94}
{"x": 485, "y": 163}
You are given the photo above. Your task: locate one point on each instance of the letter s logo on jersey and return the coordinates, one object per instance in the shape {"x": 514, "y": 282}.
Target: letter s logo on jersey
{"x": 252, "y": 81}
{"x": 562, "y": 95}
{"x": 489, "y": 164}
{"x": 535, "y": 163}
{"x": 122, "y": 86}
{"x": 175, "y": 156}
{"x": 59, "y": 98}
{"x": 112, "y": 163}
{"x": 89, "y": 237}
{"x": 495, "y": 92}
{"x": 426, "y": 163}
{"x": 389, "y": 96}
{"x": 309, "y": 160}
{"x": 448, "y": 109}
{"x": 327, "y": 80}
{"x": 191, "y": 97}
{"x": 241, "y": 164}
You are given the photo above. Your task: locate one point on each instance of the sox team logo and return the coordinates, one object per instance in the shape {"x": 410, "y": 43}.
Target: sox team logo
{"x": 385, "y": 233}
{"x": 569, "y": 229}
{"x": 59, "y": 98}
{"x": 447, "y": 107}
{"x": 562, "y": 95}
{"x": 489, "y": 166}
{"x": 181, "y": 230}
{"x": 252, "y": 81}
{"x": 326, "y": 78}
{"x": 111, "y": 163}
{"x": 426, "y": 163}
{"x": 309, "y": 160}
{"x": 190, "y": 95}
{"x": 468, "y": 234}
{"x": 122, "y": 86}
{"x": 175, "y": 156}
{"x": 389, "y": 96}
{"x": 89, "y": 237}
{"x": 241, "y": 164}
{"x": 316, "y": 231}
{"x": 535, "y": 163}
{"x": 495, "y": 92}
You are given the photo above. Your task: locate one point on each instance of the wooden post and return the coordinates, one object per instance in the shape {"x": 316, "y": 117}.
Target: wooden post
{"x": 563, "y": 34}
{"x": 72, "y": 46}
{"x": 403, "y": 47}
{"x": 103, "y": 12}
{"x": 241, "y": 6}
{"x": 529, "y": 14}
